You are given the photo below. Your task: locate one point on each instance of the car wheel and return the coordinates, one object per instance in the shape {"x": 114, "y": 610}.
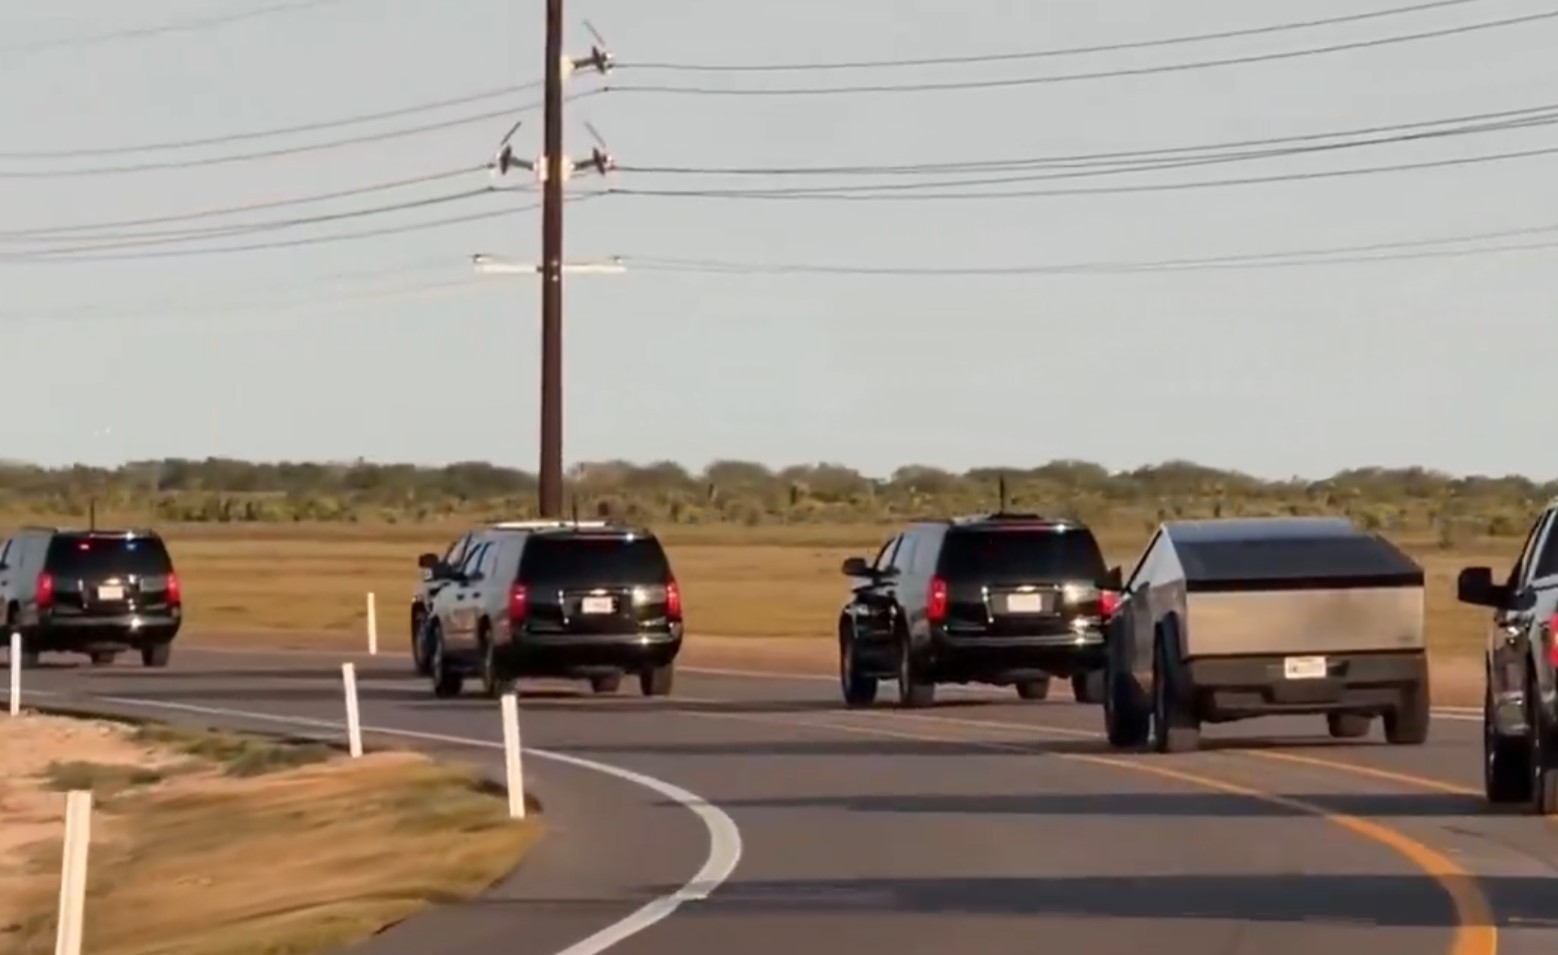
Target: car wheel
{"x": 1126, "y": 721}
{"x": 657, "y": 681}
{"x": 858, "y": 690}
{"x": 157, "y": 655}
{"x": 1348, "y": 725}
{"x": 419, "y": 660}
{"x": 1406, "y": 723}
{"x": 1034, "y": 689}
{"x": 1174, "y": 729}
{"x": 1088, "y": 687}
{"x": 914, "y": 691}
{"x": 447, "y": 682}
{"x": 1544, "y": 777}
{"x": 606, "y": 683}
{"x": 1506, "y": 763}
{"x": 494, "y": 681}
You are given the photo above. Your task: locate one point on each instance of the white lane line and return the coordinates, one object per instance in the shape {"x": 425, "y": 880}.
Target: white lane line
{"x": 725, "y": 845}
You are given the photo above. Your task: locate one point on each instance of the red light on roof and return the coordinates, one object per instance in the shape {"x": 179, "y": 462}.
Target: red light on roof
{"x": 83, "y": 546}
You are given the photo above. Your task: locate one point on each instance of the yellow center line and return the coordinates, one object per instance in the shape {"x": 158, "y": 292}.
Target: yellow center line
{"x": 1474, "y": 932}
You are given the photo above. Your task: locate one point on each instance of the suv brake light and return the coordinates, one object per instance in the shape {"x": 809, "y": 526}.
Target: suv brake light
{"x": 519, "y": 604}
{"x": 45, "y": 590}
{"x": 1552, "y": 640}
{"x": 1108, "y": 603}
{"x": 175, "y": 591}
{"x": 936, "y": 601}
{"x": 673, "y": 600}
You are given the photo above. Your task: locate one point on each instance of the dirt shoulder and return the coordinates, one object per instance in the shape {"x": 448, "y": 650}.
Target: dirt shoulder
{"x": 221, "y": 844}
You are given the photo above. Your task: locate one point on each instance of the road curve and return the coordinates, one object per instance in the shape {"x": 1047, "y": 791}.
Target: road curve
{"x": 985, "y": 825}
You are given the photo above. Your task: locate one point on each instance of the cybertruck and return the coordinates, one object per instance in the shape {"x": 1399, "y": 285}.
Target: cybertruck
{"x": 1225, "y": 620}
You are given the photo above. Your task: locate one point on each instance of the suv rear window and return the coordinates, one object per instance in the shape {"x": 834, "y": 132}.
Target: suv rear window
{"x": 78, "y": 555}
{"x": 597, "y": 561}
{"x": 1017, "y": 555}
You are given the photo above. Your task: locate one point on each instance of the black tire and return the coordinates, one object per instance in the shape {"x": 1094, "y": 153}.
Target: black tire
{"x": 1506, "y": 763}
{"x": 1348, "y": 725}
{"x": 657, "y": 681}
{"x": 495, "y": 682}
{"x": 419, "y": 661}
{"x": 1126, "y": 721}
{"x": 1174, "y": 728}
{"x": 858, "y": 690}
{"x": 157, "y": 655}
{"x": 447, "y": 681}
{"x": 1088, "y": 687}
{"x": 914, "y": 691}
{"x": 1543, "y": 775}
{"x": 606, "y": 683}
{"x": 1033, "y": 689}
{"x": 102, "y": 658}
{"x": 1406, "y": 723}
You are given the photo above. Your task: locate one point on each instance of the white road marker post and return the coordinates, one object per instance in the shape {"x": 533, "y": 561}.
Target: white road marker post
{"x": 353, "y": 718}
{"x": 373, "y": 625}
{"x": 73, "y": 873}
{"x": 513, "y": 768}
{"x": 15, "y": 663}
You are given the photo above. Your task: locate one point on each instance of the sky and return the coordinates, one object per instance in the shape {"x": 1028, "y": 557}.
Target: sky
{"x": 1277, "y": 371}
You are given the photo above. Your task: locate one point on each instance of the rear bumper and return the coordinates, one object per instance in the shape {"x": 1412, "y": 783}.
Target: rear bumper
{"x": 568, "y": 654}
{"x": 1236, "y": 687}
{"x": 975, "y": 657}
{"x": 84, "y": 633}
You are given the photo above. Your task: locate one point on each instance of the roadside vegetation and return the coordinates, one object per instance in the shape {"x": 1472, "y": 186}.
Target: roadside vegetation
{"x": 216, "y": 843}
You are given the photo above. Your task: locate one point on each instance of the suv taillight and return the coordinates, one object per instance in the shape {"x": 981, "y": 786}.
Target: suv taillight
{"x": 45, "y": 590}
{"x": 936, "y": 601}
{"x": 1552, "y": 640}
{"x": 1108, "y": 603}
{"x": 519, "y": 605}
{"x": 175, "y": 591}
{"x": 673, "y": 600}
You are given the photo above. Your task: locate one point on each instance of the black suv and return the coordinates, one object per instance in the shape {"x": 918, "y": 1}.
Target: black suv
{"x": 579, "y": 601}
{"x": 93, "y": 592}
{"x": 1007, "y": 599}
{"x": 433, "y": 579}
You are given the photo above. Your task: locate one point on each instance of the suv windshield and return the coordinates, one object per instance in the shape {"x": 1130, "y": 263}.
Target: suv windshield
{"x": 80, "y": 555}
{"x": 1039, "y": 554}
{"x": 594, "y": 561}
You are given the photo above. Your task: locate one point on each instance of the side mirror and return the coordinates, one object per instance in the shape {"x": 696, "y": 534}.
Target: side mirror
{"x": 1114, "y": 580}
{"x": 1475, "y": 586}
{"x": 428, "y": 561}
{"x": 857, "y": 567}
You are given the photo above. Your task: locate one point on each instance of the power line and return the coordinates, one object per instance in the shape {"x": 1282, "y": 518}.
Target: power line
{"x": 295, "y": 243}
{"x": 1493, "y": 122}
{"x": 1407, "y": 249}
{"x": 669, "y": 89}
{"x": 176, "y": 26}
{"x": 271, "y": 132}
{"x": 402, "y": 133}
{"x": 173, "y": 237}
{"x": 906, "y": 191}
{"x": 674, "y": 67}
{"x": 44, "y": 232}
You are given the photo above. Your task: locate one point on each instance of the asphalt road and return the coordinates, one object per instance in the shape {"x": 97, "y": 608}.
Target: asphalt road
{"x": 984, "y": 825}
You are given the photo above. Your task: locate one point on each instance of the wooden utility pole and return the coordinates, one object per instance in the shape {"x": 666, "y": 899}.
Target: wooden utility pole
{"x": 551, "y": 466}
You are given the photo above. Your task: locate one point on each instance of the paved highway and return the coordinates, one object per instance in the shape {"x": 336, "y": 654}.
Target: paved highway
{"x": 984, "y": 825}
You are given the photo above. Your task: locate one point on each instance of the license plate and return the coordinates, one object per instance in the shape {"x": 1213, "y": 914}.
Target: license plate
{"x": 1024, "y": 603}
{"x": 110, "y": 593}
{"x": 597, "y": 605}
{"x": 1304, "y": 668}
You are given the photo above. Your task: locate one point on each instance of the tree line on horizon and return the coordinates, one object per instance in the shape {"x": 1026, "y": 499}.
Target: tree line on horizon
{"x": 745, "y": 492}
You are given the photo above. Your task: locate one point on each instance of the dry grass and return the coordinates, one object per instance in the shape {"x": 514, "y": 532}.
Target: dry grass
{"x": 219, "y": 844}
{"x": 739, "y": 581}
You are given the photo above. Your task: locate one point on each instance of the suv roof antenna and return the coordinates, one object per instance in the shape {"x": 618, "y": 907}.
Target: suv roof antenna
{"x": 1001, "y": 489}
{"x": 574, "y": 502}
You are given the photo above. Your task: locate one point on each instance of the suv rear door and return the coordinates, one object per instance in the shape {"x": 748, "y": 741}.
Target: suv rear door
{"x": 595, "y": 582}
{"x": 1023, "y": 578}
{"x": 108, "y": 575}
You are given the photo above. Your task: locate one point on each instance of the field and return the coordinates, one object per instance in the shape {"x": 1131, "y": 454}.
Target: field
{"x": 310, "y": 581}
{"x": 172, "y": 874}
